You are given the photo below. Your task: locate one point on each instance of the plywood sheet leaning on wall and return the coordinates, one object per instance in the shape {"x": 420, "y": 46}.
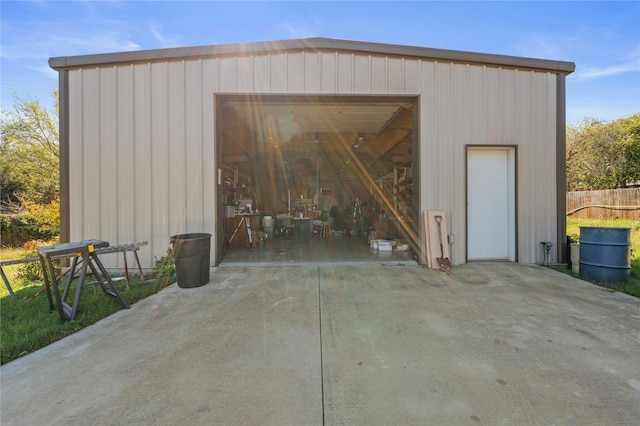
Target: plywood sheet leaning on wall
{"x": 432, "y": 240}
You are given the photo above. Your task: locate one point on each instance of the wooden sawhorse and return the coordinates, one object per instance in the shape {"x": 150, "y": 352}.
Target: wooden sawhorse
{"x": 86, "y": 251}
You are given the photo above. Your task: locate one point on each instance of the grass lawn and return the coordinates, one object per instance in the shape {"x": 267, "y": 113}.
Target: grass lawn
{"x": 27, "y": 324}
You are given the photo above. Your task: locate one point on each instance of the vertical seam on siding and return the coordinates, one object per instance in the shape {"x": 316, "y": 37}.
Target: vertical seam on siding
{"x": 151, "y": 157}
{"x": 167, "y": 177}
{"x": 403, "y": 76}
{"x": 150, "y": 138}
{"x": 436, "y": 121}
{"x": 486, "y": 100}
{"x": 353, "y": 73}
{"x": 133, "y": 148}
{"x": 286, "y": 72}
{"x": 100, "y": 194}
{"x": 304, "y": 80}
{"x": 83, "y": 117}
{"x": 217, "y": 64}
{"x": 370, "y": 74}
{"x": 386, "y": 74}
{"x": 201, "y": 141}
{"x": 513, "y": 116}
{"x": 500, "y": 108}
{"x": 336, "y": 84}
{"x": 451, "y": 151}
{"x": 184, "y": 142}
{"x": 117, "y": 165}
{"x": 468, "y": 106}
{"x": 320, "y": 70}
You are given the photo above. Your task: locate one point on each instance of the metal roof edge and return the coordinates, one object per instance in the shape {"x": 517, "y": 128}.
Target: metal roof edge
{"x": 316, "y": 43}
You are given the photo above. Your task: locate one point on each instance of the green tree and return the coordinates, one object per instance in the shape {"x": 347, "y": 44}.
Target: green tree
{"x": 29, "y": 153}
{"x": 630, "y": 144}
{"x": 603, "y": 155}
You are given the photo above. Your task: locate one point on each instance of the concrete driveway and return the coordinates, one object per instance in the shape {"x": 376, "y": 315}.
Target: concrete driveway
{"x": 491, "y": 343}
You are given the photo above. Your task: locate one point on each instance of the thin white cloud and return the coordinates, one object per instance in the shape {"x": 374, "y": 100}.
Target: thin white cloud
{"x": 165, "y": 40}
{"x": 592, "y": 73}
{"x": 631, "y": 65}
{"x": 154, "y": 29}
{"x": 35, "y": 45}
{"x": 32, "y": 45}
{"x": 44, "y": 68}
{"x": 296, "y": 31}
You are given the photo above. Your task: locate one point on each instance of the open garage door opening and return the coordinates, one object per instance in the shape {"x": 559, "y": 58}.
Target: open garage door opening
{"x": 308, "y": 179}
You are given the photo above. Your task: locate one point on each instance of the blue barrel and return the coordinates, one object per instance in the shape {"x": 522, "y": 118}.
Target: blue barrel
{"x": 604, "y": 253}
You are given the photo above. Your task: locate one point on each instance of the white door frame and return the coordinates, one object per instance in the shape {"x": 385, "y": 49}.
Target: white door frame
{"x": 491, "y": 231}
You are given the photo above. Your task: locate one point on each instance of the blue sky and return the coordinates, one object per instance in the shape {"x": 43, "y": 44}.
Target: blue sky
{"x": 602, "y": 38}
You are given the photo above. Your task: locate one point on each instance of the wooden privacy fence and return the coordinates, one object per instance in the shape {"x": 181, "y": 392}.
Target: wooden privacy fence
{"x": 604, "y": 204}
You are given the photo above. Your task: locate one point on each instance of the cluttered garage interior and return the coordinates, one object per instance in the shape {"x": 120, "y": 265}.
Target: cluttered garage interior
{"x": 317, "y": 178}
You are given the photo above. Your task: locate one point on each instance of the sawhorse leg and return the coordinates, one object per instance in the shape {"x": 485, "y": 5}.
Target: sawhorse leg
{"x": 48, "y": 272}
{"x": 6, "y": 283}
{"x": 72, "y": 311}
{"x": 72, "y": 272}
{"x": 114, "y": 290}
{"x": 135, "y": 254}
{"x": 126, "y": 268}
{"x": 90, "y": 260}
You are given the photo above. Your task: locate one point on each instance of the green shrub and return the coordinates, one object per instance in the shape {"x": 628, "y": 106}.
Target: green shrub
{"x": 165, "y": 270}
{"x": 41, "y": 222}
{"x": 32, "y": 271}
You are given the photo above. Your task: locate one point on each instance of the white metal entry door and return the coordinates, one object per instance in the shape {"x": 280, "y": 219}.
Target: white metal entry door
{"x": 490, "y": 203}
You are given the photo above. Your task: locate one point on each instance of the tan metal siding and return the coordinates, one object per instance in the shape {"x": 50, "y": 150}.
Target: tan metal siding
{"x": 461, "y": 112}
{"x": 509, "y": 113}
{"x": 362, "y": 74}
{"x": 125, "y": 163}
{"x": 295, "y": 78}
{"x": 91, "y": 166}
{"x": 395, "y": 75}
{"x": 176, "y": 162}
{"x": 428, "y": 131}
{"x": 261, "y": 72}
{"x": 328, "y": 72}
{"x": 411, "y": 76}
{"x": 142, "y": 137}
{"x": 378, "y": 68}
{"x": 345, "y": 73}
{"x": 227, "y": 74}
{"x": 208, "y": 179}
{"x": 76, "y": 123}
{"x": 477, "y": 102}
{"x": 194, "y": 157}
{"x": 108, "y": 164}
{"x": 244, "y": 76}
{"x": 277, "y": 74}
{"x": 492, "y": 108}
{"x": 312, "y": 74}
{"x": 143, "y": 152}
{"x": 160, "y": 174}
{"x": 536, "y": 158}
{"x": 458, "y": 104}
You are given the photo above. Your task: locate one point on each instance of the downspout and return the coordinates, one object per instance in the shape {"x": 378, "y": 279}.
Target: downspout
{"x": 63, "y": 147}
{"x": 561, "y": 167}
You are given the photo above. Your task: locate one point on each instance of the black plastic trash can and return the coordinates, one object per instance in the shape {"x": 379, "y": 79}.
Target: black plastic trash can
{"x": 191, "y": 253}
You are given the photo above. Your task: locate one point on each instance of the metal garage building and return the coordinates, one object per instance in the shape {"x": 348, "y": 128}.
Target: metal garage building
{"x": 149, "y": 138}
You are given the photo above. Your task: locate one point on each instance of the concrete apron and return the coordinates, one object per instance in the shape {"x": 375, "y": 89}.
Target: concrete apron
{"x": 496, "y": 343}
